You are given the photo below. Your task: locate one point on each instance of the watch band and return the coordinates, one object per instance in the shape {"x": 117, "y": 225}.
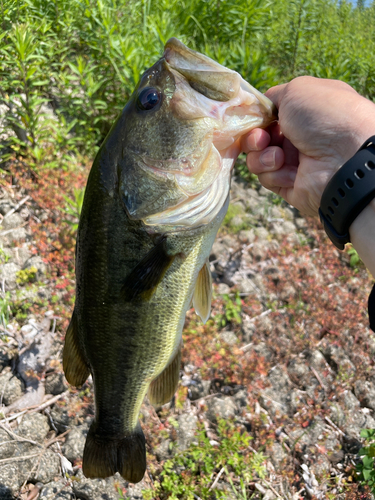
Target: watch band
{"x": 348, "y": 192}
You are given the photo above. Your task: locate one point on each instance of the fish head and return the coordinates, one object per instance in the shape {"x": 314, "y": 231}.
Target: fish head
{"x": 183, "y": 125}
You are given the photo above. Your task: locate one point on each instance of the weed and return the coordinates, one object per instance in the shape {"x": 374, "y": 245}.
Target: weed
{"x": 189, "y": 474}
{"x": 26, "y": 275}
{"x": 365, "y": 469}
{"x": 73, "y": 208}
{"x": 355, "y": 260}
{"x": 231, "y": 311}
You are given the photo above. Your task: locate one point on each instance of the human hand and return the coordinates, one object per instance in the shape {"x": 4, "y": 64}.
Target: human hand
{"x": 322, "y": 123}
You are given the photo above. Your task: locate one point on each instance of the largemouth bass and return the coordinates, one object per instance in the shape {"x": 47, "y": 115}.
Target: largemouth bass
{"x": 156, "y": 195}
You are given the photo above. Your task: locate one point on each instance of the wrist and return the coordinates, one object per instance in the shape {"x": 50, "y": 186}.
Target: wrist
{"x": 362, "y": 236}
{"x": 348, "y": 193}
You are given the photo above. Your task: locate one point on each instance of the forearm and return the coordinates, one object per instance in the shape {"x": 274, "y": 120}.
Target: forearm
{"x": 362, "y": 236}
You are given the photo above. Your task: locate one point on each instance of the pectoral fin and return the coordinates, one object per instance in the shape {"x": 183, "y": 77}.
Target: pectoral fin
{"x": 203, "y": 293}
{"x": 162, "y": 389}
{"x": 75, "y": 367}
{"x": 146, "y": 275}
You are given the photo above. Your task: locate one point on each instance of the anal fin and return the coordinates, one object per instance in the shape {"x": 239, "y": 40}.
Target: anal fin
{"x": 162, "y": 388}
{"x": 203, "y": 293}
{"x": 75, "y": 367}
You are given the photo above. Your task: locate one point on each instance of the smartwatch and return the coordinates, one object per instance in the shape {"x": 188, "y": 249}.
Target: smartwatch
{"x": 348, "y": 192}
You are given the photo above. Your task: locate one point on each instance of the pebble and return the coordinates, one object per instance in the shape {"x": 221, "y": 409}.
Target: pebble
{"x": 34, "y": 426}
{"x": 11, "y": 387}
{"x": 75, "y": 442}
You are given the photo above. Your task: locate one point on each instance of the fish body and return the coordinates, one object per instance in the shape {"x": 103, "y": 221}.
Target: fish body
{"x": 155, "y": 198}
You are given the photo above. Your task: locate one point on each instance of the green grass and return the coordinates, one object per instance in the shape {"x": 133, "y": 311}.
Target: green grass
{"x": 82, "y": 59}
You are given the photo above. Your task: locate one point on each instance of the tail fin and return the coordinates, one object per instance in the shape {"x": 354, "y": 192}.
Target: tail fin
{"x": 103, "y": 456}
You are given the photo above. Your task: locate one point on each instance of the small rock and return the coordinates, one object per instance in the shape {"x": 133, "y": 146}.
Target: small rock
{"x": 365, "y": 392}
{"x": 248, "y": 329}
{"x": 187, "y": 425}
{"x": 12, "y": 221}
{"x": 241, "y": 399}
{"x": 300, "y": 222}
{"x": 299, "y": 371}
{"x": 37, "y": 262}
{"x": 164, "y": 450}
{"x": 320, "y": 466}
{"x": 75, "y": 442}
{"x": 221, "y": 407}
{"x": 56, "y": 384}
{"x": 263, "y": 351}
{"x": 58, "y": 490}
{"x": 277, "y": 454}
{"x": 34, "y": 426}
{"x": 9, "y": 479}
{"x": 228, "y": 337}
{"x": 9, "y": 274}
{"x": 98, "y": 489}
{"x": 61, "y": 418}
{"x": 49, "y": 467}
{"x": 223, "y": 289}
{"x": 11, "y": 387}
{"x": 247, "y": 236}
{"x": 262, "y": 233}
{"x": 198, "y": 388}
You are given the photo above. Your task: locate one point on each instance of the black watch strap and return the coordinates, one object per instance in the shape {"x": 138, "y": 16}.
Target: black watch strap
{"x": 348, "y": 192}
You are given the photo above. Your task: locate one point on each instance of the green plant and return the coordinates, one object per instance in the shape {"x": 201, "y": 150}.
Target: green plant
{"x": 189, "y": 474}
{"x": 365, "y": 469}
{"x": 355, "y": 259}
{"x": 5, "y": 310}
{"x": 73, "y": 208}
{"x": 26, "y": 275}
{"x": 231, "y": 310}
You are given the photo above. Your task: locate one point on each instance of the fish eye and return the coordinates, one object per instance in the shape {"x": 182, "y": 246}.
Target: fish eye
{"x": 148, "y": 98}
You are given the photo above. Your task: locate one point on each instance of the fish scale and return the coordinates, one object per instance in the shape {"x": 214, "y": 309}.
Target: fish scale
{"x": 143, "y": 244}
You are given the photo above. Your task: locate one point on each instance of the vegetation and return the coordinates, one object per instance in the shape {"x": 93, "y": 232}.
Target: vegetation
{"x": 67, "y": 67}
{"x": 190, "y": 474}
{"x": 365, "y": 469}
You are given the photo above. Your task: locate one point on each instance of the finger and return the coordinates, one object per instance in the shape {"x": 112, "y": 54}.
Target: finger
{"x": 256, "y": 140}
{"x": 281, "y": 178}
{"x": 270, "y": 159}
{"x": 276, "y": 94}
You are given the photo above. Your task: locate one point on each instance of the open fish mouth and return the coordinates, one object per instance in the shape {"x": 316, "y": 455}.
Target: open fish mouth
{"x": 220, "y": 97}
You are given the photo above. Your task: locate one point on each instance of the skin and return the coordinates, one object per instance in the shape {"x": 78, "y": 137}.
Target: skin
{"x": 322, "y": 123}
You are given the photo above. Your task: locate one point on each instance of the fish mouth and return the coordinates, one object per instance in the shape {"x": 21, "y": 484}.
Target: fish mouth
{"x": 211, "y": 79}
{"x": 220, "y": 107}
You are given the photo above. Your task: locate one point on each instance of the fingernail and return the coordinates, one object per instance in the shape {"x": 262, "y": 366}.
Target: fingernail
{"x": 252, "y": 142}
{"x": 267, "y": 158}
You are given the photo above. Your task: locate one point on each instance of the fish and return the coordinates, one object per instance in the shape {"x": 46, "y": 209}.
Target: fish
{"x": 156, "y": 195}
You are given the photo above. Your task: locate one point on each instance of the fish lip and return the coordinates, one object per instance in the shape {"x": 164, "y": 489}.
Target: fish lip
{"x": 185, "y": 61}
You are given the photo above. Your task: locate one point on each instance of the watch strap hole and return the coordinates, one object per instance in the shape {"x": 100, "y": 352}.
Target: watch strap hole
{"x": 349, "y": 183}
{"x": 341, "y": 192}
{"x": 335, "y": 202}
{"x": 359, "y": 174}
{"x": 370, "y": 165}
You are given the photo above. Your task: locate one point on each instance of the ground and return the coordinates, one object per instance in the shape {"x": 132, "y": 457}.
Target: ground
{"x": 274, "y": 389}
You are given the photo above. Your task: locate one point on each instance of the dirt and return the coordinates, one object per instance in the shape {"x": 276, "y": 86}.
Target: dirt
{"x": 287, "y": 354}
